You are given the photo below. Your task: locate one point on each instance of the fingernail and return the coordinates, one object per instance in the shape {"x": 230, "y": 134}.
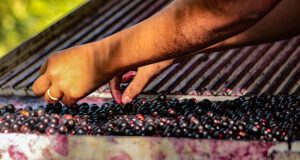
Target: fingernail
{"x": 133, "y": 73}
{"x": 119, "y": 101}
{"x": 126, "y": 99}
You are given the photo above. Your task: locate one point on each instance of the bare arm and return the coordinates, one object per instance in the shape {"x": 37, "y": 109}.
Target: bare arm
{"x": 282, "y": 22}
{"x": 181, "y": 28}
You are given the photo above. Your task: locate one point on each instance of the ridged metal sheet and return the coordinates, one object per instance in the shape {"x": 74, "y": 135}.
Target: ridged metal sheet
{"x": 269, "y": 68}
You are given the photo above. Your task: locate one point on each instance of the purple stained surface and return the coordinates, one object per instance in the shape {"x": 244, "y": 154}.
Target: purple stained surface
{"x": 20, "y": 146}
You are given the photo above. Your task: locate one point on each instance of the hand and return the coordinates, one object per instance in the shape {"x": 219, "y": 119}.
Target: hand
{"x": 140, "y": 80}
{"x": 71, "y": 75}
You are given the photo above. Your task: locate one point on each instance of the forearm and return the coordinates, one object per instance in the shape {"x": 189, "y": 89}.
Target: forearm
{"x": 185, "y": 26}
{"x": 282, "y": 22}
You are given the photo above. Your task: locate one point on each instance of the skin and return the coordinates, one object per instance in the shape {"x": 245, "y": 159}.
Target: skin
{"x": 181, "y": 28}
{"x": 268, "y": 29}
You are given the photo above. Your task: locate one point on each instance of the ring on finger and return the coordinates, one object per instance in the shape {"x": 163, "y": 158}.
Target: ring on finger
{"x": 51, "y": 97}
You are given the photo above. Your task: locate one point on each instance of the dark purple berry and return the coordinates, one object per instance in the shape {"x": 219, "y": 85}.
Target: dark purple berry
{"x": 70, "y": 123}
{"x": 40, "y": 127}
{"x": 10, "y": 108}
{"x": 79, "y": 131}
{"x": 62, "y": 129}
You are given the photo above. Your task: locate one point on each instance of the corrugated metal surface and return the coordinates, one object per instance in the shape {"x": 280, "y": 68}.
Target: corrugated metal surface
{"x": 269, "y": 68}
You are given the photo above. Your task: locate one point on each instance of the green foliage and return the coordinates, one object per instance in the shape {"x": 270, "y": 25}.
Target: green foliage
{"x": 22, "y": 19}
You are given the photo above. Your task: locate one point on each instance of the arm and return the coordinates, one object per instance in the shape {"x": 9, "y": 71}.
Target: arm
{"x": 280, "y": 23}
{"x": 182, "y": 27}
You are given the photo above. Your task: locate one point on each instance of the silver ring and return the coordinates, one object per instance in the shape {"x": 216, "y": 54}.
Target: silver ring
{"x": 52, "y": 98}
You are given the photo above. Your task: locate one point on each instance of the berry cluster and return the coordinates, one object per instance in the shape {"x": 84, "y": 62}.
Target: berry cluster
{"x": 267, "y": 118}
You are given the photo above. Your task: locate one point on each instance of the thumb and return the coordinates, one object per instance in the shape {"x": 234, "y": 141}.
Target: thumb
{"x": 136, "y": 86}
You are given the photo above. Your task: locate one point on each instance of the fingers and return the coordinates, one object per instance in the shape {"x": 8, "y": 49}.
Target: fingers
{"x": 43, "y": 68}
{"x": 114, "y": 86}
{"x": 128, "y": 76}
{"x": 68, "y": 101}
{"x": 53, "y": 95}
{"x": 136, "y": 86}
{"x": 41, "y": 85}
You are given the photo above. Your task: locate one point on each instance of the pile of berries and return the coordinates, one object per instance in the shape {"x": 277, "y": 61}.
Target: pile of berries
{"x": 266, "y": 118}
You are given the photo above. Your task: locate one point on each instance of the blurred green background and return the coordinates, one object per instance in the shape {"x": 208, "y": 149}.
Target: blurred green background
{"x": 22, "y": 19}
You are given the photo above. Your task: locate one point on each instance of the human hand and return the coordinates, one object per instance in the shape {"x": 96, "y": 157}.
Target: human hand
{"x": 70, "y": 75}
{"x": 140, "y": 79}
